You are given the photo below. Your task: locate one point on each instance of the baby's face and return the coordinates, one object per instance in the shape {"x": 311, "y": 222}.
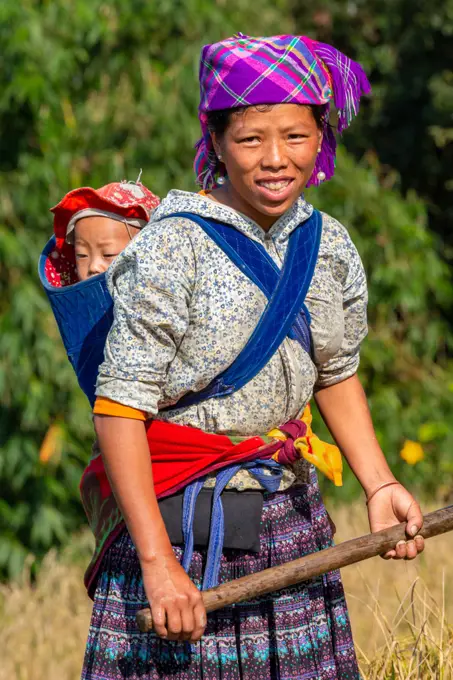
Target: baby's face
{"x": 97, "y": 241}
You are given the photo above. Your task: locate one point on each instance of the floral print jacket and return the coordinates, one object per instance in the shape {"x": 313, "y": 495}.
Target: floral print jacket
{"x": 183, "y": 312}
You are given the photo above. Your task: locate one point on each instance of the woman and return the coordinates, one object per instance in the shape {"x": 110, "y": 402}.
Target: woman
{"x": 184, "y": 310}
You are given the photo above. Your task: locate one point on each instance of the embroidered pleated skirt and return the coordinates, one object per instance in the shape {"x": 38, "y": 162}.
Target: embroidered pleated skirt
{"x": 302, "y": 632}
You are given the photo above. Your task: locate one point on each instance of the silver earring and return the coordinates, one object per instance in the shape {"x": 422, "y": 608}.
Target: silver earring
{"x": 321, "y": 176}
{"x": 221, "y": 180}
{"x": 219, "y": 156}
{"x": 319, "y": 149}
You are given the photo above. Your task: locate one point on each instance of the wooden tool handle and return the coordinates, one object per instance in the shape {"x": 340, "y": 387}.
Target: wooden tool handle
{"x": 304, "y": 568}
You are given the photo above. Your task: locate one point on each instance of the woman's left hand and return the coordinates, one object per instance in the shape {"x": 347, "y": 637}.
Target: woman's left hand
{"x": 392, "y": 505}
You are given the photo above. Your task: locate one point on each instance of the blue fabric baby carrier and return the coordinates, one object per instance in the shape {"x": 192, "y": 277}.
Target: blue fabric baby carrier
{"x": 84, "y": 314}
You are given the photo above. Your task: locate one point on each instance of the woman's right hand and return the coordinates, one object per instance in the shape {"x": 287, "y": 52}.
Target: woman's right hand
{"x": 176, "y": 604}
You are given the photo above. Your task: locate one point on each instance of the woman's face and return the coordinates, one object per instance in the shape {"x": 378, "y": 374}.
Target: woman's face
{"x": 269, "y": 157}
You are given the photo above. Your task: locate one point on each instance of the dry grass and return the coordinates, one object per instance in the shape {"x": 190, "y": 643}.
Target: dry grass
{"x": 43, "y": 628}
{"x": 402, "y": 614}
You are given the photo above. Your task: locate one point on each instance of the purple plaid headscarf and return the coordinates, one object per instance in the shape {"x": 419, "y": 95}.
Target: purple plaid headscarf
{"x": 284, "y": 69}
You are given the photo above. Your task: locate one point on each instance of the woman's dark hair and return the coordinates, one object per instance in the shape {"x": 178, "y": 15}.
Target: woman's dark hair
{"x": 218, "y": 121}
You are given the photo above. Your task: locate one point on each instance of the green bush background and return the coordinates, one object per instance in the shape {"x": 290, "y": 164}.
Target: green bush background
{"x": 92, "y": 91}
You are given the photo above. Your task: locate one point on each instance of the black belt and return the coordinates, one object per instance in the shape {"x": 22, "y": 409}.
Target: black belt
{"x": 242, "y": 512}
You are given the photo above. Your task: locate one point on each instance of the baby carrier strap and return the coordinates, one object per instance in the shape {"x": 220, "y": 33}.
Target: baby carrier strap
{"x": 286, "y": 290}
{"x": 248, "y": 255}
{"x": 256, "y": 263}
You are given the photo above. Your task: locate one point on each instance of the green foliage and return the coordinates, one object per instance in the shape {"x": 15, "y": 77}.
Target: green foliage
{"x": 406, "y": 47}
{"x": 90, "y": 92}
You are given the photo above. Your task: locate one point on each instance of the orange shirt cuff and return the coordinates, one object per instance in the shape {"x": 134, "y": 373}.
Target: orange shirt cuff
{"x": 107, "y": 407}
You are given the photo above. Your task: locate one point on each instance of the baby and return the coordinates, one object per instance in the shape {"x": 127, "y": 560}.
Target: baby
{"x": 92, "y": 226}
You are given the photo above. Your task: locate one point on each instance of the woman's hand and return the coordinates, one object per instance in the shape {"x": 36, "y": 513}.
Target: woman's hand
{"x": 392, "y": 505}
{"x": 176, "y": 604}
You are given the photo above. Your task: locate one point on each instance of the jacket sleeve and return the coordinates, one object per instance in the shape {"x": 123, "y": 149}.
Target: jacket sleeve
{"x": 348, "y": 271}
{"x": 151, "y": 283}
